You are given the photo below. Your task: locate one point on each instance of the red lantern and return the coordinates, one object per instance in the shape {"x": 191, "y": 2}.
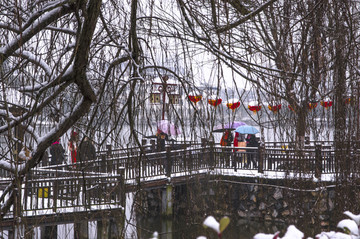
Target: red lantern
{"x": 326, "y": 104}
{"x": 195, "y": 99}
{"x": 312, "y": 105}
{"x": 233, "y": 106}
{"x": 214, "y": 102}
{"x": 254, "y": 108}
{"x": 274, "y": 108}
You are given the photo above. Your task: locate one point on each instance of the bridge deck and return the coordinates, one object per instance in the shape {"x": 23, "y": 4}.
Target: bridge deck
{"x": 102, "y": 183}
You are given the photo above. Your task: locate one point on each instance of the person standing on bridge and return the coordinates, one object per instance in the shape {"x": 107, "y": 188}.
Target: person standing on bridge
{"x": 227, "y": 138}
{"x": 252, "y": 142}
{"x": 239, "y": 141}
{"x": 57, "y": 153}
{"x": 87, "y": 151}
{"x": 161, "y": 137}
{"x": 73, "y": 146}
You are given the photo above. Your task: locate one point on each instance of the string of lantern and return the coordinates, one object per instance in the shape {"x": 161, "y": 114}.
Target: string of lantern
{"x": 254, "y": 107}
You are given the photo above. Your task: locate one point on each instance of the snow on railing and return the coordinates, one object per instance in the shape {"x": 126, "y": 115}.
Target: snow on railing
{"x": 102, "y": 181}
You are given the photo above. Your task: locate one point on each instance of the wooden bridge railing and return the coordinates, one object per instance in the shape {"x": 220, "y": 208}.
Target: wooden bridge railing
{"x": 47, "y": 192}
{"x": 101, "y": 182}
{"x": 310, "y": 161}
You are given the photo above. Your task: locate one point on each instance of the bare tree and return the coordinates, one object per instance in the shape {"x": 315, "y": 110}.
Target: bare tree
{"x": 87, "y": 66}
{"x": 284, "y": 48}
{"x": 20, "y": 55}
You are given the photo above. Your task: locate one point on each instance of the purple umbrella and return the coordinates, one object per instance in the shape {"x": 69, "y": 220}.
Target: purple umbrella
{"x": 167, "y": 127}
{"x": 230, "y": 126}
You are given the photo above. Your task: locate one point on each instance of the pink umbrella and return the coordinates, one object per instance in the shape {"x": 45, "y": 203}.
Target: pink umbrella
{"x": 167, "y": 127}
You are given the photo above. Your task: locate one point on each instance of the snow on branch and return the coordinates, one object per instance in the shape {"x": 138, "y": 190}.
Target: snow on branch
{"x": 34, "y": 59}
{"x": 46, "y": 8}
{"x": 53, "y": 82}
{"x": 10, "y": 166}
{"x": 33, "y": 29}
{"x": 16, "y": 120}
{"x": 4, "y": 113}
{"x": 245, "y": 18}
{"x": 9, "y": 27}
{"x": 64, "y": 30}
{"x": 61, "y": 128}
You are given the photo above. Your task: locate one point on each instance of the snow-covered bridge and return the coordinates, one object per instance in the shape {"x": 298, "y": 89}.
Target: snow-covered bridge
{"x": 55, "y": 192}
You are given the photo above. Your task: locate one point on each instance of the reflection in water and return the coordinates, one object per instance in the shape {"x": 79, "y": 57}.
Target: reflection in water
{"x": 130, "y": 221}
{"x": 177, "y": 227}
{"x": 66, "y": 231}
{"x": 180, "y": 228}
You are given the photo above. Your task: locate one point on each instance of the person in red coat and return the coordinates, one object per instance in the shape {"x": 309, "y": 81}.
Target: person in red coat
{"x": 73, "y": 146}
{"x": 227, "y": 138}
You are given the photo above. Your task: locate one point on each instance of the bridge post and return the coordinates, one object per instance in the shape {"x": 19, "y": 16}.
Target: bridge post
{"x": 153, "y": 145}
{"x": 103, "y": 163}
{"x": 81, "y": 230}
{"x": 48, "y": 231}
{"x": 167, "y": 200}
{"x": 168, "y": 163}
{"x": 103, "y": 229}
{"x": 108, "y": 149}
{"x": 120, "y": 220}
{"x": 108, "y": 155}
{"x": 211, "y": 154}
{"x": 204, "y": 142}
{"x": 17, "y": 228}
{"x": 318, "y": 161}
{"x": 108, "y": 228}
{"x": 261, "y": 159}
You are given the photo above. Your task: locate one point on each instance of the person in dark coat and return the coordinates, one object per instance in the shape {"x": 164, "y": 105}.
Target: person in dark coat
{"x": 161, "y": 137}
{"x": 252, "y": 142}
{"x": 57, "y": 153}
{"x": 87, "y": 150}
